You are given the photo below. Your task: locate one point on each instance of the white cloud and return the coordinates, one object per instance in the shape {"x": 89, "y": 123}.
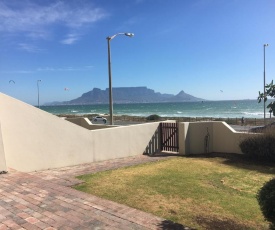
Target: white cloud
{"x": 29, "y": 48}
{"x": 36, "y": 21}
{"x": 70, "y": 39}
{"x": 18, "y": 72}
{"x": 69, "y": 68}
{"x": 48, "y": 69}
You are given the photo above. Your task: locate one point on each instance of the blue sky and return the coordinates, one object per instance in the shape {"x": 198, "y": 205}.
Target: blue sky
{"x": 212, "y": 49}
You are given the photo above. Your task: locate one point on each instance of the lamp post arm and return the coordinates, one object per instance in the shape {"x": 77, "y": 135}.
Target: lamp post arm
{"x": 112, "y": 37}
{"x": 126, "y": 34}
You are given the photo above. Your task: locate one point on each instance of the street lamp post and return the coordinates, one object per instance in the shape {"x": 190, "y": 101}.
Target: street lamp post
{"x": 110, "y": 72}
{"x": 38, "y": 93}
{"x": 265, "y": 45}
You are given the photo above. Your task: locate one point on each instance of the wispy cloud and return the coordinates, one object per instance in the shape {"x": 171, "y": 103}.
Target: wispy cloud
{"x": 29, "y": 48}
{"x": 70, "y": 39}
{"x": 48, "y": 69}
{"x": 37, "y": 21}
{"x": 17, "y": 72}
{"x": 69, "y": 68}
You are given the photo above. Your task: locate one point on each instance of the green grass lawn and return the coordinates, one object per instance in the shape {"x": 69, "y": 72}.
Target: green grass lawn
{"x": 201, "y": 192}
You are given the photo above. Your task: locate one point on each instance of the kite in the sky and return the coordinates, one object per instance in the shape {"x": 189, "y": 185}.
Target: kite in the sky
{"x": 66, "y": 89}
{"x": 11, "y": 81}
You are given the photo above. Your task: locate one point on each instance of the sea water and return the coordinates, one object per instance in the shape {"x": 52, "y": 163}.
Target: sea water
{"x": 215, "y": 109}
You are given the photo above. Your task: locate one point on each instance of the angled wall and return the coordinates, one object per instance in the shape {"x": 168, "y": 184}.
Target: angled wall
{"x": 35, "y": 140}
{"x": 221, "y": 138}
{"x": 32, "y": 139}
{"x": 226, "y": 139}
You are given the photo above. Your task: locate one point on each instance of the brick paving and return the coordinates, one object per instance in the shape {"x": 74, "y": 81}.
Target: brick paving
{"x": 44, "y": 200}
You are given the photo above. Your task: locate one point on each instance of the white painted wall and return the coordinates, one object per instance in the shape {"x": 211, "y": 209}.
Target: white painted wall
{"x": 31, "y": 139}
{"x": 222, "y": 137}
{"x": 36, "y": 140}
{"x": 227, "y": 139}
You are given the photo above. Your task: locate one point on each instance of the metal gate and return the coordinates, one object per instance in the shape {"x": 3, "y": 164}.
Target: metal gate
{"x": 169, "y": 137}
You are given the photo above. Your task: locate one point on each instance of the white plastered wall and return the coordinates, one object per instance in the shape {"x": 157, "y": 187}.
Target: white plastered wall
{"x": 36, "y": 140}
{"x": 227, "y": 139}
{"x": 222, "y": 137}
{"x": 31, "y": 139}
{"x": 192, "y": 135}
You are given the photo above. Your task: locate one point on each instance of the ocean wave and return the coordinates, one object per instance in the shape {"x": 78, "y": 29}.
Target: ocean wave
{"x": 254, "y": 113}
{"x": 214, "y": 109}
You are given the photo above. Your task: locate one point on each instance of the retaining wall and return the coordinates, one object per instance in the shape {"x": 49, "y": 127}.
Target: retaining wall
{"x": 35, "y": 140}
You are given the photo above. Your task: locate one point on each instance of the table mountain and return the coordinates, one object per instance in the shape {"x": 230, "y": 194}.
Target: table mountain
{"x": 123, "y": 95}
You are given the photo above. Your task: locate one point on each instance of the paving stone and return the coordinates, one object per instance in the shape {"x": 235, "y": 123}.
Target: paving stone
{"x": 43, "y": 200}
{"x": 3, "y": 227}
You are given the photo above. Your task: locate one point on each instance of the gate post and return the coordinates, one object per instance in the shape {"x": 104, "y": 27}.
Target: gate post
{"x": 183, "y": 138}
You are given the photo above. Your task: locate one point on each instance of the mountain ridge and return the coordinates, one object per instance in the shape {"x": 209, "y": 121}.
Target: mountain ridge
{"x": 124, "y": 95}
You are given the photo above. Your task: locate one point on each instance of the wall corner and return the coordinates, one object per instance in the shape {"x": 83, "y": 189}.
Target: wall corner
{"x": 183, "y": 145}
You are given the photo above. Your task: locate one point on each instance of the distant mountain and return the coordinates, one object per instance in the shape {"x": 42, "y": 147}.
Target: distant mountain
{"x": 123, "y": 95}
{"x": 182, "y": 96}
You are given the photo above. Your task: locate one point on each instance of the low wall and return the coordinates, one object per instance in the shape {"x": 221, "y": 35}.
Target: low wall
{"x": 87, "y": 124}
{"x": 36, "y": 140}
{"x": 227, "y": 139}
{"x": 221, "y": 138}
{"x": 32, "y": 139}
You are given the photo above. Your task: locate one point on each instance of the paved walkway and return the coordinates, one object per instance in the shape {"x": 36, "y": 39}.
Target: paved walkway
{"x": 43, "y": 200}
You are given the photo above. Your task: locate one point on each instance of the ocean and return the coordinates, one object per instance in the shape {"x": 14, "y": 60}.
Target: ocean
{"x": 214, "y": 109}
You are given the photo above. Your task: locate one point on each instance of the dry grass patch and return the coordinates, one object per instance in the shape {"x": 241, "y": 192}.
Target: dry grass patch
{"x": 203, "y": 193}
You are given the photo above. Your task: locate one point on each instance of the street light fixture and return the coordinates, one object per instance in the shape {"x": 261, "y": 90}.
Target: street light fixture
{"x": 265, "y": 45}
{"x": 38, "y": 93}
{"x": 110, "y": 72}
